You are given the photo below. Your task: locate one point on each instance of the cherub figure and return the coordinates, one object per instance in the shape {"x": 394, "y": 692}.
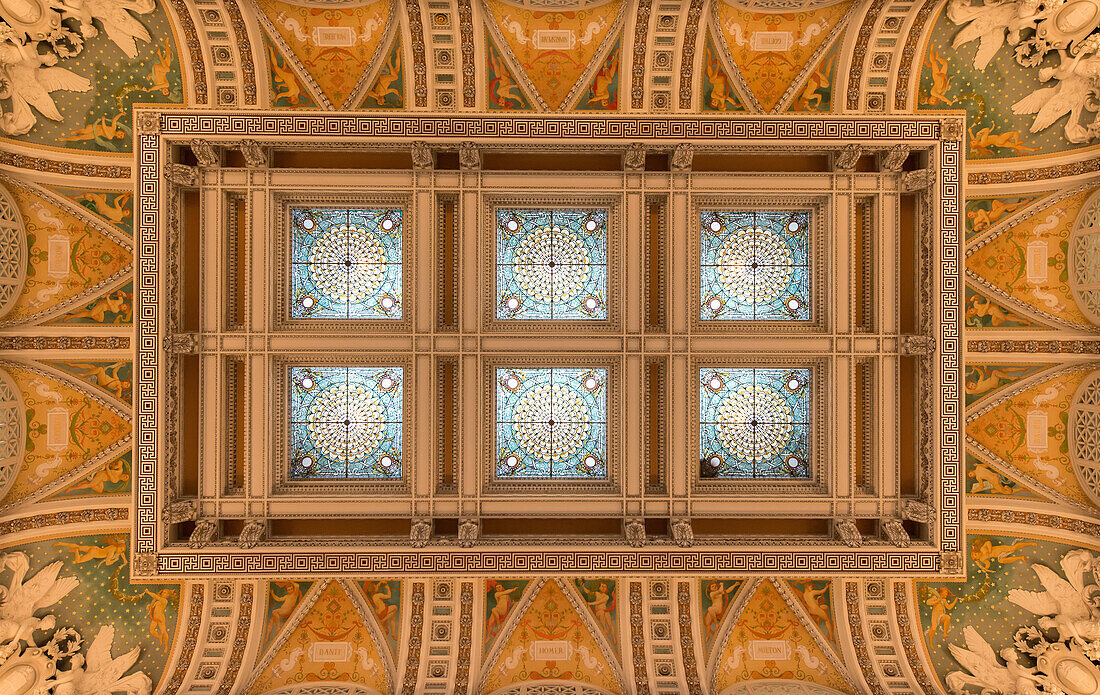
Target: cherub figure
{"x": 286, "y": 85}
{"x": 941, "y": 81}
{"x": 720, "y": 96}
{"x": 717, "y": 609}
{"x": 98, "y": 129}
{"x": 105, "y": 377}
{"x": 292, "y": 594}
{"x": 980, "y": 218}
{"x": 158, "y": 623}
{"x": 984, "y": 553}
{"x": 384, "y": 612}
{"x": 119, "y": 302}
{"x": 502, "y": 89}
{"x": 983, "y": 141}
{"x": 114, "y": 472}
{"x": 159, "y": 75}
{"x": 601, "y": 88}
{"x": 603, "y": 603}
{"x": 383, "y": 87}
{"x": 109, "y": 554}
{"x": 942, "y": 602}
{"x": 501, "y": 608}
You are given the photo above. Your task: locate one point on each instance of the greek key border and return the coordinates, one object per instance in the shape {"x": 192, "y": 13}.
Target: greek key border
{"x": 158, "y": 127}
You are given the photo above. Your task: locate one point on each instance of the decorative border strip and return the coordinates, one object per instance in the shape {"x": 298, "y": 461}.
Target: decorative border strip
{"x": 901, "y": 603}
{"x": 248, "y": 67}
{"x": 1075, "y": 347}
{"x": 1052, "y": 521}
{"x": 859, "y": 642}
{"x": 687, "y": 55}
{"x": 190, "y": 640}
{"x": 465, "y": 626}
{"x": 687, "y": 642}
{"x": 466, "y": 41}
{"x": 916, "y": 30}
{"x": 53, "y": 166}
{"x": 859, "y": 52}
{"x": 638, "y": 66}
{"x": 198, "y": 67}
{"x": 720, "y": 128}
{"x": 416, "y": 636}
{"x": 84, "y": 516}
{"x": 240, "y": 642}
{"x": 1055, "y": 171}
{"x": 398, "y": 561}
{"x": 637, "y": 639}
{"x": 65, "y": 342}
{"x": 420, "y": 64}
{"x": 721, "y": 131}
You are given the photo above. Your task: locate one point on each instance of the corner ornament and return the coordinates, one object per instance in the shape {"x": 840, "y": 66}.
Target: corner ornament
{"x": 1059, "y": 654}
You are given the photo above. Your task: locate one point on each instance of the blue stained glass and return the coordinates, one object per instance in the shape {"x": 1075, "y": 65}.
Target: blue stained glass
{"x": 551, "y": 423}
{"x": 345, "y": 263}
{"x": 755, "y": 265}
{"x": 345, "y": 422}
{"x": 552, "y": 264}
{"x": 754, "y": 423}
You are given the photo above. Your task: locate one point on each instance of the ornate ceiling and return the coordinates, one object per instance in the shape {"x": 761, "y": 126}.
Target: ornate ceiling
{"x": 69, "y": 75}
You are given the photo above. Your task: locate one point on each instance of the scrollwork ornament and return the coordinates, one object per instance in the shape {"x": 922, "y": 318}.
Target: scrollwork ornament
{"x": 182, "y": 175}
{"x": 144, "y": 564}
{"x": 205, "y": 153}
{"x": 919, "y": 511}
{"x": 917, "y": 345}
{"x": 203, "y": 534}
{"x": 682, "y": 533}
{"x": 422, "y": 156}
{"x": 468, "y": 532}
{"x": 176, "y": 512}
{"x": 146, "y": 122}
{"x": 634, "y": 530}
{"x": 469, "y": 157}
{"x": 951, "y": 562}
{"x": 917, "y": 180}
{"x": 254, "y": 155}
{"x": 421, "y": 533}
{"x": 682, "y": 157}
{"x": 895, "y": 533}
{"x": 848, "y": 533}
{"x": 634, "y": 158}
{"x": 847, "y": 158}
{"x": 894, "y": 158}
{"x": 951, "y": 128}
{"x": 252, "y": 533}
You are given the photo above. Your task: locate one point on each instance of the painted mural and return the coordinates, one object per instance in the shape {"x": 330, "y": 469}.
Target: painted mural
{"x": 816, "y": 93}
{"x": 981, "y": 380}
{"x": 555, "y": 49}
{"x": 1002, "y": 88}
{"x": 603, "y": 602}
{"x": 501, "y": 596}
{"x": 1029, "y": 260}
{"x": 816, "y": 597}
{"x": 94, "y": 607}
{"x": 768, "y": 640}
{"x": 330, "y": 641}
{"x": 997, "y": 606}
{"x": 113, "y": 206}
{"x": 984, "y": 213}
{"x": 388, "y": 89}
{"x": 335, "y": 45}
{"x": 282, "y": 600}
{"x": 384, "y": 600}
{"x": 982, "y": 311}
{"x": 504, "y": 92}
{"x": 983, "y": 479}
{"x": 65, "y": 428}
{"x": 111, "y": 478}
{"x": 717, "y": 597}
{"x": 1028, "y": 431}
{"x": 718, "y": 93}
{"x": 772, "y": 49}
{"x": 603, "y": 92}
{"x": 114, "y": 307}
{"x": 114, "y": 378}
{"x": 551, "y": 640}
{"x": 287, "y": 91}
{"x": 78, "y": 90}
{"x": 66, "y": 257}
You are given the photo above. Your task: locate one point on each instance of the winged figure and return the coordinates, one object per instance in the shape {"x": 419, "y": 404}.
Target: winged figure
{"x": 1076, "y": 80}
{"x": 21, "y": 599}
{"x": 987, "y": 23}
{"x": 120, "y": 26}
{"x": 102, "y": 673}
{"x": 986, "y": 672}
{"x": 27, "y": 77}
{"x": 1065, "y": 599}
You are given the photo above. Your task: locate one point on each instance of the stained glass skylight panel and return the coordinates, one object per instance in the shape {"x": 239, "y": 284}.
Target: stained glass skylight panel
{"x": 754, "y": 423}
{"x": 345, "y": 422}
{"x": 755, "y": 265}
{"x": 345, "y": 263}
{"x": 551, "y": 423}
{"x": 552, "y": 264}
